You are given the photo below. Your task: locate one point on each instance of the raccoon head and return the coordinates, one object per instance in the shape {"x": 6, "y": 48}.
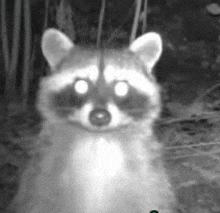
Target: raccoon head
{"x": 100, "y": 89}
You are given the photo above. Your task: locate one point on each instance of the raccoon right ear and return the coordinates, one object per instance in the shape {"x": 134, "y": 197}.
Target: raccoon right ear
{"x": 55, "y": 46}
{"x": 148, "y": 47}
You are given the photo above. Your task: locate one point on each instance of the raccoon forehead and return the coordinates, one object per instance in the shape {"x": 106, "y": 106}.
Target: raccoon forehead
{"x": 68, "y": 75}
{"x": 136, "y": 79}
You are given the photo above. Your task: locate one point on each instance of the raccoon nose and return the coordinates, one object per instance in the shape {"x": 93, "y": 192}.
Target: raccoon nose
{"x": 100, "y": 117}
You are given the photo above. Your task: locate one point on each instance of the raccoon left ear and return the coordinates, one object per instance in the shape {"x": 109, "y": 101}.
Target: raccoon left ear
{"x": 148, "y": 47}
{"x": 55, "y": 46}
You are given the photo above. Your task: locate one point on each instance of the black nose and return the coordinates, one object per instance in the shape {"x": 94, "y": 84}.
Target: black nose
{"x": 100, "y": 117}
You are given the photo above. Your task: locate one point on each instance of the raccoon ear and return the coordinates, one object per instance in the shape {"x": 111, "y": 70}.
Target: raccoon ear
{"x": 55, "y": 46}
{"x": 148, "y": 47}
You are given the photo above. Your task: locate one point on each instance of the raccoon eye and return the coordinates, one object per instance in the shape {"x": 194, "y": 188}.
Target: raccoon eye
{"x": 81, "y": 86}
{"x": 121, "y": 88}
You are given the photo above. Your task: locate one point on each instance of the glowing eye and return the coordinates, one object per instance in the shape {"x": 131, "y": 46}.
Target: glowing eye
{"x": 121, "y": 89}
{"x": 81, "y": 87}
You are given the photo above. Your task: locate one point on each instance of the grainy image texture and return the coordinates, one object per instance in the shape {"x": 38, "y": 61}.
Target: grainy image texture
{"x": 97, "y": 152}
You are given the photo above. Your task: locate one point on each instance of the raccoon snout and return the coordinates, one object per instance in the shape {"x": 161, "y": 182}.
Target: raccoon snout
{"x": 100, "y": 117}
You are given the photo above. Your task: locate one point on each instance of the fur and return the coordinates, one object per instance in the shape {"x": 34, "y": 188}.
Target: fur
{"x": 97, "y": 150}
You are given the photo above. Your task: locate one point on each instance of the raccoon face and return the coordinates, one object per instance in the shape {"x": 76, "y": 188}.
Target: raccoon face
{"x": 100, "y": 89}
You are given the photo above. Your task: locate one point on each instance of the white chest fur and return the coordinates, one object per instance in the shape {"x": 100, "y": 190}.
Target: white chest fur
{"x": 96, "y": 166}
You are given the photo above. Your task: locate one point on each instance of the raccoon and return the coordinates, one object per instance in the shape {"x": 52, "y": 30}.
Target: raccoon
{"x": 98, "y": 152}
